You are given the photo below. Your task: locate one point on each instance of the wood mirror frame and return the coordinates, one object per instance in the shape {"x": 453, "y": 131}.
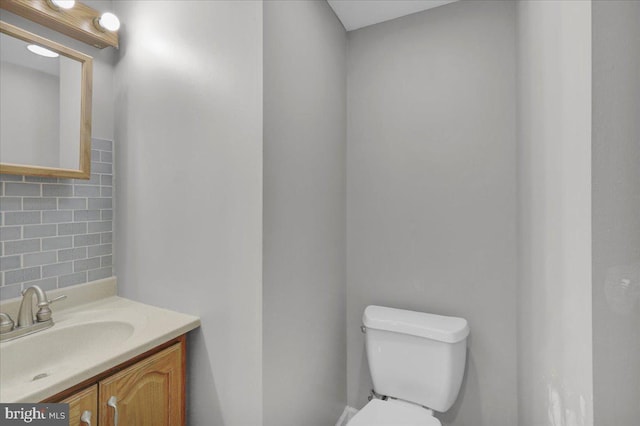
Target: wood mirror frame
{"x": 84, "y": 172}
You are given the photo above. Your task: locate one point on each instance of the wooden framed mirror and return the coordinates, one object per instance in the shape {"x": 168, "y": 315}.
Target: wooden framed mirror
{"x": 45, "y": 110}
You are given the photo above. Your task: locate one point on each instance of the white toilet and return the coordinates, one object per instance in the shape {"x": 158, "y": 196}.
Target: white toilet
{"x": 416, "y": 361}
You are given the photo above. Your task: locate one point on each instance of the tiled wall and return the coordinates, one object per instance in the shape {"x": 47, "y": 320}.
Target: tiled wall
{"x": 57, "y": 232}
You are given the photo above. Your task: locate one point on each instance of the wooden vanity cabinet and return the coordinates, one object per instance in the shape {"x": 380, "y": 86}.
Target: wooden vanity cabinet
{"x": 147, "y": 390}
{"x": 80, "y": 402}
{"x": 147, "y": 393}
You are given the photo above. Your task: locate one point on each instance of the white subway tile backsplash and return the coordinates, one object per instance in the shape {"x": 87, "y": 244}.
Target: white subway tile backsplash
{"x": 57, "y": 232}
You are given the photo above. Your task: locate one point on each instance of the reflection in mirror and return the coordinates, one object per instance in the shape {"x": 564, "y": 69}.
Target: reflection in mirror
{"x": 45, "y": 106}
{"x": 39, "y": 106}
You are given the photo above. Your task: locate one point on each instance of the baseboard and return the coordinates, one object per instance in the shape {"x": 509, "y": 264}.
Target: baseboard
{"x": 347, "y": 414}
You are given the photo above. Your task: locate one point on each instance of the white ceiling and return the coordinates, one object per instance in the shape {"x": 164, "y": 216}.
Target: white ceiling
{"x": 356, "y": 14}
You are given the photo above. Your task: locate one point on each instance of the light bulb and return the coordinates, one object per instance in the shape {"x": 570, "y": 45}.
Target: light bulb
{"x": 108, "y": 21}
{"x": 39, "y": 50}
{"x": 64, "y": 4}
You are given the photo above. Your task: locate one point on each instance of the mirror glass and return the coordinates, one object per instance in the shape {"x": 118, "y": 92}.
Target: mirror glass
{"x": 40, "y": 105}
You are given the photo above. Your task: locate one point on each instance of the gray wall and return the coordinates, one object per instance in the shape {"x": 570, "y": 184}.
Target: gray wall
{"x": 555, "y": 385}
{"x": 57, "y": 232}
{"x": 304, "y": 214}
{"x": 431, "y": 175}
{"x": 28, "y": 93}
{"x": 188, "y": 101}
{"x": 616, "y": 212}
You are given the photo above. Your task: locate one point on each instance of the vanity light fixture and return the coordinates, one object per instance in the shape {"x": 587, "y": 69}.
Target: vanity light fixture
{"x": 107, "y": 22}
{"x": 39, "y": 50}
{"x": 71, "y": 18}
{"x": 61, "y": 4}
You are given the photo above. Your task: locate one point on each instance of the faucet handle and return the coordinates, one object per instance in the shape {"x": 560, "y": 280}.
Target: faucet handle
{"x": 44, "y": 313}
{"x": 55, "y": 299}
{"x": 6, "y": 323}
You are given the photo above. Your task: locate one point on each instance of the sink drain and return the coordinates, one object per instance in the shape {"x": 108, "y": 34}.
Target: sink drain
{"x": 39, "y": 376}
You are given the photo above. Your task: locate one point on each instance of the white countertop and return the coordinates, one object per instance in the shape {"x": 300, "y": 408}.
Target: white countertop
{"x": 142, "y": 328}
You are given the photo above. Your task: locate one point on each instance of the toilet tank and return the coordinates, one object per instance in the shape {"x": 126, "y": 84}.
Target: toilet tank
{"x": 415, "y": 356}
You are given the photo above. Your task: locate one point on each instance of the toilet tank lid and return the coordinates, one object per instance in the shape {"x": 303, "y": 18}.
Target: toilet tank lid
{"x": 435, "y": 327}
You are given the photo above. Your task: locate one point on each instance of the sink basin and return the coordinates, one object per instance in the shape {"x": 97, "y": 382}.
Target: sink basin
{"x": 87, "y": 339}
{"x": 58, "y": 349}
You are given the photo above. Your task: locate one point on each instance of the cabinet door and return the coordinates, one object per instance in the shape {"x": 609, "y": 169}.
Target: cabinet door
{"x": 150, "y": 392}
{"x": 83, "y": 407}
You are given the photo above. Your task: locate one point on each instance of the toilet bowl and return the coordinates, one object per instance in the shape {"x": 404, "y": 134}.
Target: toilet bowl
{"x": 393, "y": 412}
{"x": 416, "y": 361}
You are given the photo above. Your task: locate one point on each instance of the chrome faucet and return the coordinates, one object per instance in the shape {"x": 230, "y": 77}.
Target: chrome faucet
{"x": 27, "y": 322}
